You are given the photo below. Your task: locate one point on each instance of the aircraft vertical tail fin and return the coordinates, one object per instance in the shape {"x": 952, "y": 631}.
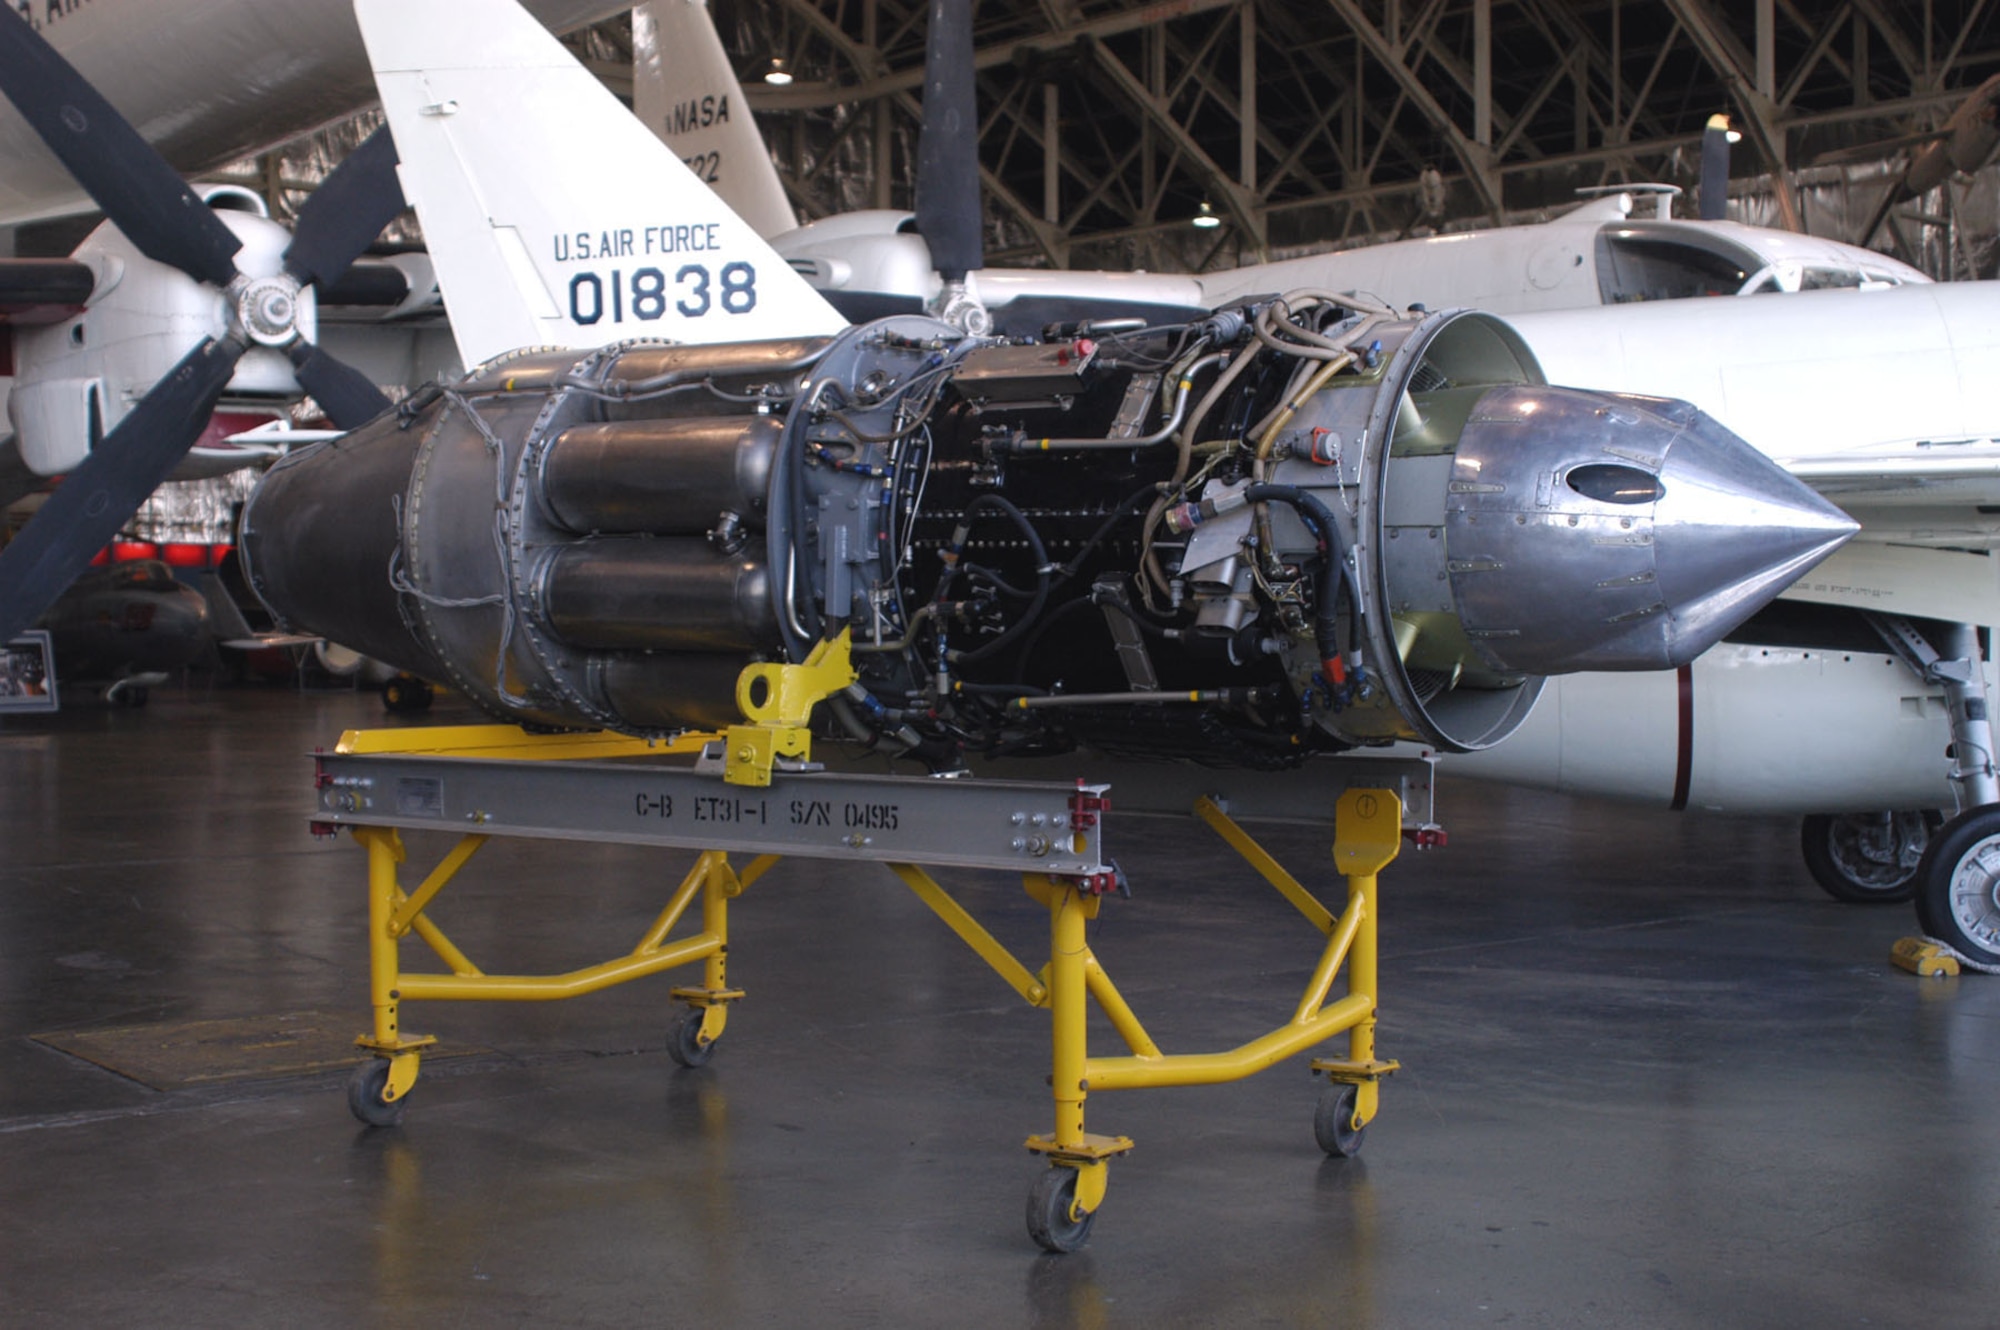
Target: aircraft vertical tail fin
{"x": 684, "y": 90}
{"x": 553, "y": 217}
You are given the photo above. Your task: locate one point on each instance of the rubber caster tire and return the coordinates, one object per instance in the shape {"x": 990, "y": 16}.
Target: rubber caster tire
{"x": 364, "y": 1095}
{"x": 1958, "y": 884}
{"x": 1333, "y": 1122}
{"x": 1049, "y": 1223}
{"x": 406, "y": 696}
{"x": 685, "y": 1046}
{"x": 1867, "y": 858}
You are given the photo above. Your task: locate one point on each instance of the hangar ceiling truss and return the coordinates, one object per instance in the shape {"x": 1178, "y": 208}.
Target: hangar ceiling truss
{"x": 1304, "y": 124}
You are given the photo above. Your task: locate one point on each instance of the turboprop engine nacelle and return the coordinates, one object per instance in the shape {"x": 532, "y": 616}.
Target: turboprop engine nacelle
{"x": 1293, "y": 526}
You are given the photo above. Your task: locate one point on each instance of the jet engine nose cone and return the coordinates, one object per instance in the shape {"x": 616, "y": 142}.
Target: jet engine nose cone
{"x": 1733, "y": 530}
{"x": 1595, "y": 531}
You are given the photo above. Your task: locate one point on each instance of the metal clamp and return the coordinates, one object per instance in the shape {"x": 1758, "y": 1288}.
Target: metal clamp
{"x": 777, "y": 701}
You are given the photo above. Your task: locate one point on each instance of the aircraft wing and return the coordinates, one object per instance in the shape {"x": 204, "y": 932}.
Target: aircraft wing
{"x": 553, "y": 216}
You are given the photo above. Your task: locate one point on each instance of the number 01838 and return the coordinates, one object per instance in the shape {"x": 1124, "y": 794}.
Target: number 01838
{"x": 694, "y": 292}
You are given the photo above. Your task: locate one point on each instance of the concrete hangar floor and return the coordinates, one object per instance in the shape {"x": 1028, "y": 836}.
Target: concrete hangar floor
{"x": 1653, "y": 1077}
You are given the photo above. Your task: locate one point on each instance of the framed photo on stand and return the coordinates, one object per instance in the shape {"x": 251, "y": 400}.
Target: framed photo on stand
{"x": 28, "y": 673}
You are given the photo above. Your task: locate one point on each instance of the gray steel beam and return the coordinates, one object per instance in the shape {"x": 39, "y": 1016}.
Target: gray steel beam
{"x": 1896, "y": 40}
{"x": 1477, "y": 161}
{"x": 1725, "y": 54}
{"x": 873, "y": 84}
{"x": 1821, "y": 48}
{"x": 1216, "y": 180}
{"x": 1197, "y": 72}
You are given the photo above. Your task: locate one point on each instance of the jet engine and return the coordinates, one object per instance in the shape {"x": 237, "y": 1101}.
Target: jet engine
{"x": 1298, "y": 524}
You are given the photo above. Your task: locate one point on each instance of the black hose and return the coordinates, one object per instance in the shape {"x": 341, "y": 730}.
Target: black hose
{"x": 1062, "y": 611}
{"x": 1121, "y": 510}
{"x": 1158, "y": 631}
{"x": 1320, "y": 521}
{"x": 1041, "y": 557}
{"x": 997, "y": 582}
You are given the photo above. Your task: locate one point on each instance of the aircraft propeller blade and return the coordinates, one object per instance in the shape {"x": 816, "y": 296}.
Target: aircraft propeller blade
{"x": 136, "y": 189}
{"x": 346, "y": 212}
{"x": 347, "y": 395}
{"x": 1714, "y": 200}
{"x": 94, "y": 500}
{"x": 948, "y": 208}
{"x": 144, "y": 198}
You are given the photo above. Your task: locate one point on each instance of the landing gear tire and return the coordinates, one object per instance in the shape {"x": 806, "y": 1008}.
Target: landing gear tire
{"x": 364, "y": 1095}
{"x": 1333, "y": 1122}
{"x": 1958, "y": 884}
{"x": 133, "y": 697}
{"x": 685, "y": 1046}
{"x": 405, "y": 695}
{"x": 1867, "y": 858}
{"x": 1049, "y": 1222}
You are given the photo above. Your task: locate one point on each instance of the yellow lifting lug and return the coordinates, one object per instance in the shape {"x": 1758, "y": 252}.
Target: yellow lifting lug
{"x": 1367, "y": 831}
{"x": 777, "y": 702}
{"x": 1926, "y": 960}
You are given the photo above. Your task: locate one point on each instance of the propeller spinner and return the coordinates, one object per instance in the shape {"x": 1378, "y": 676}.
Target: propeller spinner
{"x": 144, "y": 197}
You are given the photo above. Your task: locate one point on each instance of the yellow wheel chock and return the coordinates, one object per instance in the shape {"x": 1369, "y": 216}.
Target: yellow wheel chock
{"x": 1924, "y": 959}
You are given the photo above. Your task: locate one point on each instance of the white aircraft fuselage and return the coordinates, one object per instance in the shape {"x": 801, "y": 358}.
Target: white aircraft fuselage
{"x": 1596, "y": 255}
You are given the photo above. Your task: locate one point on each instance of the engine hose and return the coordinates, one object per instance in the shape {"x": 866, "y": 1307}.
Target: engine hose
{"x": 963, "y": 533}
{"x": 1318, "y": 517}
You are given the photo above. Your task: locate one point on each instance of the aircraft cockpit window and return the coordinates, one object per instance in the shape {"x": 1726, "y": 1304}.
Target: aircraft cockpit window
{"x": 1800, "y": 277}
{"x": 1635, "y": 262}
{"x": 1829, "y": 279}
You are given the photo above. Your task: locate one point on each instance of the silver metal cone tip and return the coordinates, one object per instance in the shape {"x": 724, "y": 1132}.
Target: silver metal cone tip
{"x": 1733, "y": 530}
{"x": 1593, "y": 531}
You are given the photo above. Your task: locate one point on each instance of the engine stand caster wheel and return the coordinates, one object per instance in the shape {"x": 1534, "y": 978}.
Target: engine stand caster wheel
{"x": 1049, "y": 1222}
{"x": 1958, "y": 884}
{"x": 1333, "y": 1122}
{"x": 1867, "y": 858}
{"x": 684, "y": 1045}
{"x": 364, "y": 1095}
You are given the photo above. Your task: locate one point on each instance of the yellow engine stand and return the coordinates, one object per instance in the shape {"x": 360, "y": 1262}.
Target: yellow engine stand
{"x": 372, "y": 795}
{"x": 1367, "y": 834}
